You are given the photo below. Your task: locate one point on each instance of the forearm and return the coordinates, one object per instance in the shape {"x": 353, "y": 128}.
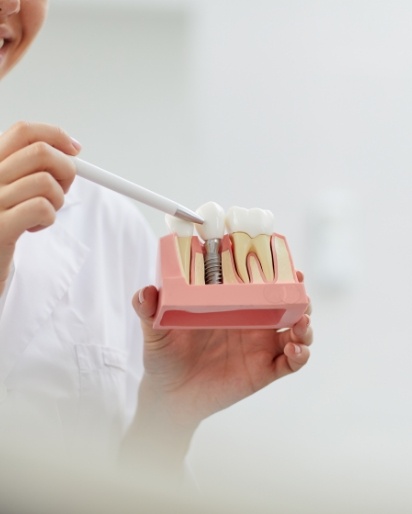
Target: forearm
{"x": 159, "y": 437}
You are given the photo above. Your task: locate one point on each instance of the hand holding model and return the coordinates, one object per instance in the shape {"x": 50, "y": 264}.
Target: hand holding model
{"x": 191, "y": 374}
{"x": 35, "y": 173}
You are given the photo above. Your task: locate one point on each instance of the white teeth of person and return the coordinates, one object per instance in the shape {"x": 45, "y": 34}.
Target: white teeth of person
{"x": 1, "y": 43}
{"x": 184, "y": 231}
{"x": 250, "y": 231}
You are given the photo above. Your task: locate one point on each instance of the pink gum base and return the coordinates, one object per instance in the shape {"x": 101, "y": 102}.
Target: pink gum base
{"x": 182, "y": 305}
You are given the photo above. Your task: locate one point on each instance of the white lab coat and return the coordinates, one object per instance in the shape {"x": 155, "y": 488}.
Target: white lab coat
{"x": 70, "y": 341}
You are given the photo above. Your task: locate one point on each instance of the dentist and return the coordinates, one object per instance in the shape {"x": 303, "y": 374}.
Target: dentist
{"x": 79, "y": 370}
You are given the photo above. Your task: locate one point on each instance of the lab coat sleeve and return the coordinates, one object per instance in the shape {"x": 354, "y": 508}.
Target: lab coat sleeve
{"x": 6, "y": 290}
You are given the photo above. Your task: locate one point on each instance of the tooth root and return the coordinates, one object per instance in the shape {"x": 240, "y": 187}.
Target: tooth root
{"x": 241, "y": 247}
{"x": 284, "y": 264}
{"x": 262, "y": 246}
{"x": 184, "y": 248}
{"x": 198, "y": 277}
{"x": 228, "y": 268}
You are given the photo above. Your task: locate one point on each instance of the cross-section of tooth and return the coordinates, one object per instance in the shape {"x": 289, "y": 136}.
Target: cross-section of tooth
{"x": 250, "y": 231}
{"x": 184, "y": 231}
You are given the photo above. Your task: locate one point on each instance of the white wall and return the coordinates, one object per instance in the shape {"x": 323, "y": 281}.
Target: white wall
{"x": 298, "y": 100}
{"x": 274, "y": 104}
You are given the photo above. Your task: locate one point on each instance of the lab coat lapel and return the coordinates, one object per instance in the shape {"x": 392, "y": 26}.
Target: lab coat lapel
{"x": 46, "y": 263}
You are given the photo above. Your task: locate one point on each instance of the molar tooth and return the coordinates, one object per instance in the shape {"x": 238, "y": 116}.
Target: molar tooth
{"x": 261, "y": 223}
{"x": 241, "y": 248}
{"x": 184, "y": 231}
{"x": 251, "y": 231}
{"x": 237, "y": 221}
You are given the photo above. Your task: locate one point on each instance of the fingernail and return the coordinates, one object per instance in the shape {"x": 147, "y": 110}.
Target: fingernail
{"x": 307, "y": 320}
{"x": 76, "y": 144}
{"x": 297, "y": 348}
{"x": 141, "y": 296}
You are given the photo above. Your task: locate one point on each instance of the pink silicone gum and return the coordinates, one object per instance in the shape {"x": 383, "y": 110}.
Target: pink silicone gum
{"x": 255, "y": 305}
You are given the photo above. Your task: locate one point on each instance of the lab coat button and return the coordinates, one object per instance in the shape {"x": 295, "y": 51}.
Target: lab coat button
{"x": 3, "y": 393}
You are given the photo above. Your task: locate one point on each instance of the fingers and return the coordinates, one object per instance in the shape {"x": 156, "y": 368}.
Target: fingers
{"x": 35, "y": 214}
{"x": 295, "y": 357}
{"x": 35, "y": 172}
{"x": 41, "y": 184}
{"x": 23, "y": 134}
{"x": 145, "y": 303}
{"x": 295, "y": 343}
{"x": 300, "y": 275}
{"x": 301, "y": 332}
{"x": 38, "y": 157}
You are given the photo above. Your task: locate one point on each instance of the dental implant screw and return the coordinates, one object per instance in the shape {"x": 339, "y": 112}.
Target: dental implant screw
{"x": 213, "y": 262}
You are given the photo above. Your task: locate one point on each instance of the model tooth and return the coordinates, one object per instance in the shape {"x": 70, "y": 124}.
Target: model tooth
{"x": 212, "y": 232}
{"x": 237, "y": 225}
{"x": 241, "y": 248}
{"x": 214, "y": 224}
{"x": 184, "y": 231}
{"x": 261, "y": 223}
{"x": 251, "y": 231}
{"x": 237, "y": 220}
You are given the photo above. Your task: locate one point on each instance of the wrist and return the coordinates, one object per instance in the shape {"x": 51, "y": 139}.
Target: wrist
{"x": 161, "y": 432}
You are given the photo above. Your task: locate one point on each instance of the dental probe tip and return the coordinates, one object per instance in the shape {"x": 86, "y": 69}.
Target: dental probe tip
{"x": 188, "y": 215}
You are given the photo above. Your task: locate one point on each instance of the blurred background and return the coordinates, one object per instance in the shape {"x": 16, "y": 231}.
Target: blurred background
{"x": 301, "y": 107}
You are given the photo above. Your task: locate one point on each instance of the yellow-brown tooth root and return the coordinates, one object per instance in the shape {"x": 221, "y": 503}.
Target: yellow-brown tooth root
{"x": 241, "y": 247}
{"x": 228, "y": 268}
{"x": 197, "y": 267}
{"x": 261, "y": 245}
{"x": 199, "y": 270}
{"x": 284, "y": 268}
{"x": 184, "y": 250}
{"x": 229, "y": 274}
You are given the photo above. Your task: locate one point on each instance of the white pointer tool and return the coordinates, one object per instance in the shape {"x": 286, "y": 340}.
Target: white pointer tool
{"x": 139, "y": 193}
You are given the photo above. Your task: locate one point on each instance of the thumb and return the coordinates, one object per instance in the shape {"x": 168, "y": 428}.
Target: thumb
{"x": 145, "y": 303}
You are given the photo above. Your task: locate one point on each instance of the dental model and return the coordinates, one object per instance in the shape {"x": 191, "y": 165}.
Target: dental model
{"x": 184, "y": 231}
{"x": 250, "y": 232}
{"x": 244, "y": 278}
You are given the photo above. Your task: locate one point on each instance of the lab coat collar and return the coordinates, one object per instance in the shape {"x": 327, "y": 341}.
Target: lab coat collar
{"x": 46, "y": 263}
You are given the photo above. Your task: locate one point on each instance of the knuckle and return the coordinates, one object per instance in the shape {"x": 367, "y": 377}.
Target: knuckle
{"x": 48, "y": 188}
{"x": 22, "y": 128}
{"x": 39, "y": 150}
{"x": 44, "y": 181}
{"x": 45, "y": 212}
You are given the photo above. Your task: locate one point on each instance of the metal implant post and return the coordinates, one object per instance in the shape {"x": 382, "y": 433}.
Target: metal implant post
{"x": 213, "y": 262}
{"x": 212, "y": 232}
